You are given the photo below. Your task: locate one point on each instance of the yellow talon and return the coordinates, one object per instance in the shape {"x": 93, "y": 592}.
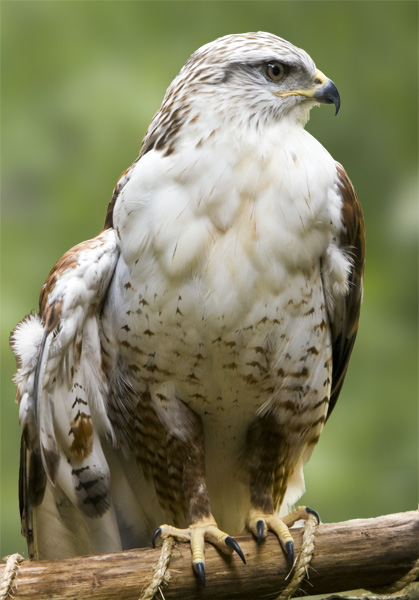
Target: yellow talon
{"x": 197, "y": 534}
{"x": 260, "y": 522}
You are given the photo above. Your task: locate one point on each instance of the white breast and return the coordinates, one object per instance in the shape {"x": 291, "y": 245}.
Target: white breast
{"x": 219, "y": 245}
{"x": 215, "y": 239}
{"x": 230, "y": 220}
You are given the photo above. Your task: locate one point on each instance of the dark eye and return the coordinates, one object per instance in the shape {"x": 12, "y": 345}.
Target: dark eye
{"x": 275, "y": 70}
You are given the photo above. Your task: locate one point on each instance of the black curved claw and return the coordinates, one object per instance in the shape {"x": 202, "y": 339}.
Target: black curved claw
{"x": 260, "y": 526}
{"x": 155, "y": 536}
{"x": 310, "y": 511}
{"x": 289, "y": 549}
{"x": 231, "y": 543}
{"x": 200, "y": 570}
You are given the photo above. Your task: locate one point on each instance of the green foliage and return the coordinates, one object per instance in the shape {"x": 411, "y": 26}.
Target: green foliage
{"x": 81, "y": 81}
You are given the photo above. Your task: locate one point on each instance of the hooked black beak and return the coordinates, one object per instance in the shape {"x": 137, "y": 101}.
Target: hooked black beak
{"x": 328, "y": 94}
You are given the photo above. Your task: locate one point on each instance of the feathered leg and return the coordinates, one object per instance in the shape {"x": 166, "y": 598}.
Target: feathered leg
{"x": 271, "y": 465}
{"x": 191, "y": 454}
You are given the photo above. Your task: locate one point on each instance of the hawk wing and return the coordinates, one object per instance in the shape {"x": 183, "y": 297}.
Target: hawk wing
{"x": 345, "y": 311}
{"x": 62, "y": 391}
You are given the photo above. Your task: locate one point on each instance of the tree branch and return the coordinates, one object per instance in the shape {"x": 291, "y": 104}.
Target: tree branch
{"x": 362, "y": 553}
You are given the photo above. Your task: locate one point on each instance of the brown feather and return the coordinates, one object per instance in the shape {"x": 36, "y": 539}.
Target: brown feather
{"x": 344, "y": 321}
{"x": 51, "y": 313}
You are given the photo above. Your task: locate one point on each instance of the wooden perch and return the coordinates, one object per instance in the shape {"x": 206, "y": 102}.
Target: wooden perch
{"x": 363, "y": 553}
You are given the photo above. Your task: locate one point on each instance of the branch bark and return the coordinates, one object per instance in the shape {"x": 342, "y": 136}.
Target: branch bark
{"x": 362, "y": 553}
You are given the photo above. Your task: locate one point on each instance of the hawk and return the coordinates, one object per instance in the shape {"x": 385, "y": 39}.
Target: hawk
{"x": 184, "y": 361}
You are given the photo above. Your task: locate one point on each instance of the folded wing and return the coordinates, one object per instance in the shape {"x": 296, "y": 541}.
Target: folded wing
{"x": 344, "y": 309}
{"x": 62, "y": 392}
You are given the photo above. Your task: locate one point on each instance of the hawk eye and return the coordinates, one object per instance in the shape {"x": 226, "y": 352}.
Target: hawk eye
{"x": 275, "y": 70}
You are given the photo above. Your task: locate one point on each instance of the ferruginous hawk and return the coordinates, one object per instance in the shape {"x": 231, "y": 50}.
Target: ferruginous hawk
{"x": 184, "y": 362}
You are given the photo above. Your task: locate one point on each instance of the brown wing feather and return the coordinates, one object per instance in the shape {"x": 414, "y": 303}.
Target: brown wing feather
{"x": 344, "y": 321}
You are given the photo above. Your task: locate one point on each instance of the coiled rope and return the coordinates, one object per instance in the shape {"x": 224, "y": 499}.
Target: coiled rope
{"x": 161, "y": 574}
{"x": 300, "y": 571}
{"x": 9, "y": 575}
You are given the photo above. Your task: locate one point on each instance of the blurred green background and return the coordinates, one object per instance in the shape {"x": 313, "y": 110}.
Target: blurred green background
{"x": 81, "y": 81}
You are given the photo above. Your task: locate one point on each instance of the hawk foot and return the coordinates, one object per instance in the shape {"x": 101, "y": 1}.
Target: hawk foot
{"x": 260, "y": 523}
{"x": 204, "y": 530}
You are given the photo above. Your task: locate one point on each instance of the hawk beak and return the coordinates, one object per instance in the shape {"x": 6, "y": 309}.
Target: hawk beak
{"x": 327, "y": 93}
{"x": 324, "y": 91}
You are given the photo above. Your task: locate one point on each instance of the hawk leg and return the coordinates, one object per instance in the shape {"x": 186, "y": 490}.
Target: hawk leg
{"x": 203, "y": 527}
{"x": 270, "y": 463}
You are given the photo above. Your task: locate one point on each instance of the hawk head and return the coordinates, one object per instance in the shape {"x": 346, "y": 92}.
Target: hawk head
{"x": 245, "y": 79}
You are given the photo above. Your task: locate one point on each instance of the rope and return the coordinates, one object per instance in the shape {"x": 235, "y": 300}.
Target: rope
{"x": 161, "y": 574}
{"x": 304, "y": 559}
{"x": 9, "y": 575}
{"x": 401, "y": 583}
{"x": 306, "y": 554}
